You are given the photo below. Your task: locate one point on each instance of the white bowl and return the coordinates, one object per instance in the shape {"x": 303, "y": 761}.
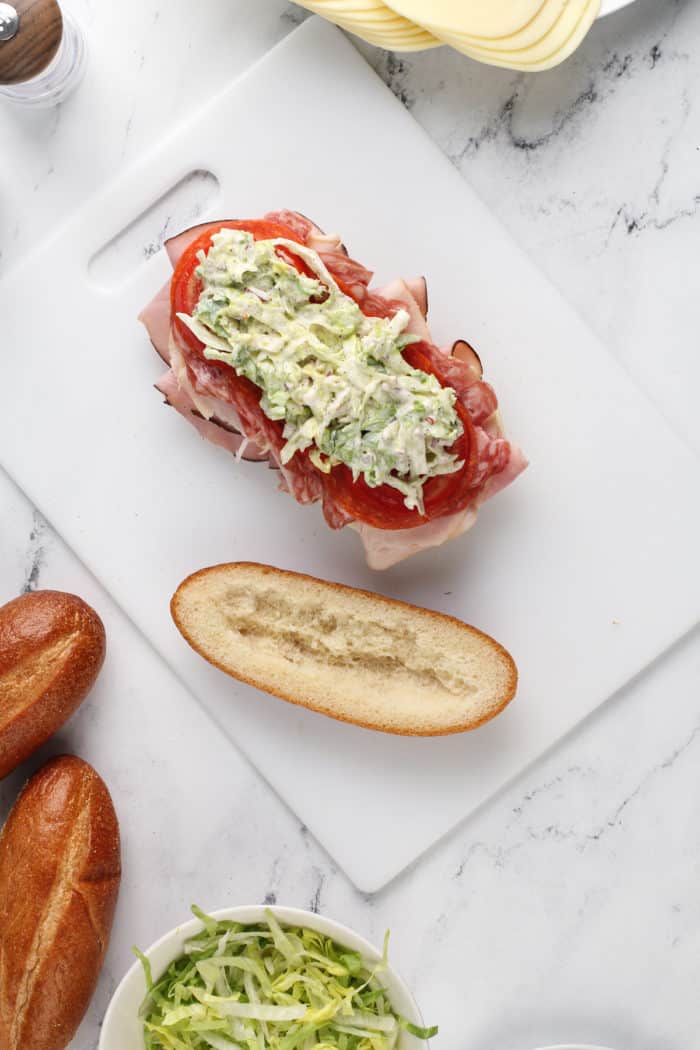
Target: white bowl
{"x": 573, "y": 1046}
{"x": 122, "y": 1029}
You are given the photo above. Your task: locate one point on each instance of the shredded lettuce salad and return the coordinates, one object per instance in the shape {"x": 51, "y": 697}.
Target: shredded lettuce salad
{"x": 264, "y": 986}
{"x": 336, "y": 378}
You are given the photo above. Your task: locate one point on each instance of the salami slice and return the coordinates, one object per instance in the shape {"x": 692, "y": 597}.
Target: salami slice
{"x": 301, "y": 226}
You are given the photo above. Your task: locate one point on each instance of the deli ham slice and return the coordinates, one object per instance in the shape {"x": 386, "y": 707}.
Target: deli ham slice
{"x": 212, "y": 430}
{"x": 156, "y": 317}
{"x": 462, "y": 351}
{"x": 386, "y": 547}
{"x": 398, "y": 296}
{"x": 176, "y": 245}
{"x": 418, "y": 287}
{"x": 222, "y": 432}
{"x": 201, "y": 392}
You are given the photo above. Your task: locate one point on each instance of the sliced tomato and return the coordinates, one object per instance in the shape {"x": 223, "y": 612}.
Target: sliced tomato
{"x": 186, "y": 286}
{"x": 383, "y": 506}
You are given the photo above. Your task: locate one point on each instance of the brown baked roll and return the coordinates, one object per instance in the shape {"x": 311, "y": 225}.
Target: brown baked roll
{"x": 52, "y": 646}
{"x": 59, "y": 878}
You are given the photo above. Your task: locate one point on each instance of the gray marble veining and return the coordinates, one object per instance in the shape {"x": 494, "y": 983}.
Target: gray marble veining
{"x": 568, "y": 909}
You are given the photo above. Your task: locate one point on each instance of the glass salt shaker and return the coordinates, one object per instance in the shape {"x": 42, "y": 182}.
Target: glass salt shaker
{"x": 42, "y": 52}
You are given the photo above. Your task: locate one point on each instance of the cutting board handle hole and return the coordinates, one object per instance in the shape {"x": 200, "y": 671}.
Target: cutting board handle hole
{"x": 185, "y": 204}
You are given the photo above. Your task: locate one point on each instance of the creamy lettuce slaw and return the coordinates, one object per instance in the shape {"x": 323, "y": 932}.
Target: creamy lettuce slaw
{"x": 336, "y": 378}
{"x": 264, "y": 987}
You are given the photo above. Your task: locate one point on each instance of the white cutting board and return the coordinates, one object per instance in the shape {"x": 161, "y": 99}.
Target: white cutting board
{"x": 586, "y": 568}
{"x": 608, "y": 6}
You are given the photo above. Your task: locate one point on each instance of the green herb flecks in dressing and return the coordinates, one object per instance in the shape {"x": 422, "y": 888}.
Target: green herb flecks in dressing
{"x": 336, "y": 378}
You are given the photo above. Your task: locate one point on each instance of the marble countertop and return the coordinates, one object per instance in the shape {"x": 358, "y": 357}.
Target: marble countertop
{"x": 567, "y": 910}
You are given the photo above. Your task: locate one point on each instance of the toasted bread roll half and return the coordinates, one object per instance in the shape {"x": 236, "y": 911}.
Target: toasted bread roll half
{"x": 342, "y": 652}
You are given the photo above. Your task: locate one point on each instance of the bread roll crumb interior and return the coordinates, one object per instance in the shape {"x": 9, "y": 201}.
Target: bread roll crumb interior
{"x": 344, "y": 652}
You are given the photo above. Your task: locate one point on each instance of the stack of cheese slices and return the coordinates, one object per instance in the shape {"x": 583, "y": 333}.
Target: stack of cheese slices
{"x": 519, "y": 34}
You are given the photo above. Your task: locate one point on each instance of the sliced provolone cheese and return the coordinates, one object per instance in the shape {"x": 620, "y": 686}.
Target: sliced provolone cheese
{"x": 394, "y": 42}
{"x": 478, "y": 18}
{"x": 375, "y": 22}
{"x": 547, "y": 45}
{"x": 536, "y": 59}
{"x": 393, "y": 39}
{"x": 547, "y": 16}
{"x": 369, "y": 11}
{"x": 543, "y": 22}
{"x": 527, "y": 35}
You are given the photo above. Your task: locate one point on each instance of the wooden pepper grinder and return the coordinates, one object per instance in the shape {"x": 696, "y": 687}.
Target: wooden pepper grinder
{"x": 42, "y": 52}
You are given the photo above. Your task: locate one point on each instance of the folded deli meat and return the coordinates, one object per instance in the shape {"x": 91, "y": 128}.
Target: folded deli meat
{"x": 279, "y": 350}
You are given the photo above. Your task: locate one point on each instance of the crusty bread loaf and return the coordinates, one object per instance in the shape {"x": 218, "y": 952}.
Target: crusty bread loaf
{"x": 59, "y": 878}
{"x": 52, "y": 646}
{"x": 343, "y": 652}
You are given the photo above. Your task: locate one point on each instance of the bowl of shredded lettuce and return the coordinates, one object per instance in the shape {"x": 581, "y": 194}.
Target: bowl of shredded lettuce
{"x": 263, "y": 978}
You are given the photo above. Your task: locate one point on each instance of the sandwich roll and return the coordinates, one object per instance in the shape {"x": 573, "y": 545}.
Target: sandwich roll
{"x": 345, "y": 653}
{"x": 52, "y": 646}
{"x": 59, "y": 877}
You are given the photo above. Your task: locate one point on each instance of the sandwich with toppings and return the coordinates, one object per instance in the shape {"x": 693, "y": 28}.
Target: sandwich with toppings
{"x": 278, "y": 350}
